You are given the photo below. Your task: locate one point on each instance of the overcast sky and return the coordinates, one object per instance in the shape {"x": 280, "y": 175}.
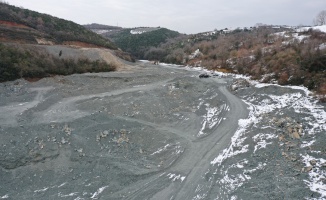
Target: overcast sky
{"x": 185, "y": 16}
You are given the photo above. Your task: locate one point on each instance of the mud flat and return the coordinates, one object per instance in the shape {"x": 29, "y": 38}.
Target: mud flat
{"x": 155, "y": 132}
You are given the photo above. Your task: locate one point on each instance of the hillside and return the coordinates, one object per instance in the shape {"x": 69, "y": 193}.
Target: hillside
{"x": 136, "y": 41}
{"x": 102, "y": 29}
{"x": 26, "y": 26}
{"x": 35, "y": 45}
{"x": 269, "y": 54}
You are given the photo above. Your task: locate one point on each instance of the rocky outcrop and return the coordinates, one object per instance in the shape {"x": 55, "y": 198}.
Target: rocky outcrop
{"x": 239, "y": 83}
{"x": 290, "y": 128}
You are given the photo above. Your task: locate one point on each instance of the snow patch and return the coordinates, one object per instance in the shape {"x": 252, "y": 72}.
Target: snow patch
{"x": 304, "y": 29}
{"x": 236, "y": 147}
{"x": 211, "y": 119}
{"x": 195, "y": 54}
{"x": 307, "y": 144}
{"x": 176, "y": 149}
{"x": 161, "y": 149}
{"x": 41, "y": 190}
{"x": 98, "y": 192}
{"x": 175, "y": 177}
{"x": 68, "y": 195}
{"x": 261, "y": 140}
{"x": 134, "y": 32}
{"x": 316, "y": 175}
{"x": 234, "y": 181}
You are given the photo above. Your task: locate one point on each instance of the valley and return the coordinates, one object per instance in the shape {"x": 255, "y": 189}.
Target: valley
{"x": 159, "y": 132}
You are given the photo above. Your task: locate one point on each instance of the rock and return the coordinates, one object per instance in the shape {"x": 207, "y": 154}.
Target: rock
{"x": 67, "y": 129}
{"x": 63, "y": 141}
{"x": 295, "y": 135}
{"x": 313, "y": 162}
{"x": 284, "y": 154}
{"x": 308, "y": 169}
{"x": 281, "y": 138}
{"x": 290, "y": 127}
{"x": 323, "y": 180}
{"x": 80, "y": 150}
{"x": 293, "y": 159}
{"x": 240, "y": 83}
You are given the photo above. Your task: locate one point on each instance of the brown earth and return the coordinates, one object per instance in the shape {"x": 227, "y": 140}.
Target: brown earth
{"x": 12, "y": 24}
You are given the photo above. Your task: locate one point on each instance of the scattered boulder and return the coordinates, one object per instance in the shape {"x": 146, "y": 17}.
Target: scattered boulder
{"x": 290, "y": 128}
{"x": 240, "y": 83}
{"x": 307, "y": 169}
{"x": 313, "y": 162}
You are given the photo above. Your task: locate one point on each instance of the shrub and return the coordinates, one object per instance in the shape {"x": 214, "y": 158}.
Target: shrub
{"x": 18, "y": 63}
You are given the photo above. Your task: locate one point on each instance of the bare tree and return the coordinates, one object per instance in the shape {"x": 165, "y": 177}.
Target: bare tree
{"x": 320, "y": 18}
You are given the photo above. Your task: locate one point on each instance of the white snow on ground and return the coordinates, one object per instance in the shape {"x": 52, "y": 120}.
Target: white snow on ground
{"x": 321, "y": 28}
{"x": 236, "y": 147}
{"x": 300, "y": 37}
{"x": 316, "y": 175}
{"x": 211, "y": 119}
{"x": 68, "y": 195}
{"x": 307, "y": 144}
{"x": 98, "y": 192}
{"x": 195, "y": 54}
{"x": 99, "y": 31}
{"x": 175, "y": 177}
{"x": 291, "y": 36}
{"x": 301, "y": 103}
{"x": 161, "y": 149}
{"x": 5, "y": 196}
{"x": 143, "y": 30}
{"x": 234, "y": 181}
{"x": 41, "y": 190}
{"x": 134, "y": 32}
{"x": 261, "y": 140}
{"x": 63, "y": 184}
{"x": 322, "y": 46}
{"x": 175, "y": 148}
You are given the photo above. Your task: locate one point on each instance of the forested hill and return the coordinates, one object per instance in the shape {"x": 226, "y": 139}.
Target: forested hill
{"x": 23, "y": 25}
{"x": 136, "y": 41}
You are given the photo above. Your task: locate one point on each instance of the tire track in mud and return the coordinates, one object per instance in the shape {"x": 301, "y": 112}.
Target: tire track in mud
{"x": 213, "y": 144}
{"x": 66, "y": 111}
{"x": 12, "y": 111}
{"x": 193, "y": 163}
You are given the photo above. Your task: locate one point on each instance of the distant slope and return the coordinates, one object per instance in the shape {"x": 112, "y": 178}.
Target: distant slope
{"x": 138, "y": 44}
{"x": 136, "y": 41}
{"x": 102, "y": 29}
{"x": 26, "y": 26}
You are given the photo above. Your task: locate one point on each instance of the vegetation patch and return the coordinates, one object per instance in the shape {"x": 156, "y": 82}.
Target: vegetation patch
{"x": 264, "y": 53}
{"x": 26, "y": 62}
{"x": 59, "y": 30}
{"x": 139, "y": 44}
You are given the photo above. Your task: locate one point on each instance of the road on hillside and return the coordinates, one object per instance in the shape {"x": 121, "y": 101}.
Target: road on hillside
{"x": 147, "y": 133}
